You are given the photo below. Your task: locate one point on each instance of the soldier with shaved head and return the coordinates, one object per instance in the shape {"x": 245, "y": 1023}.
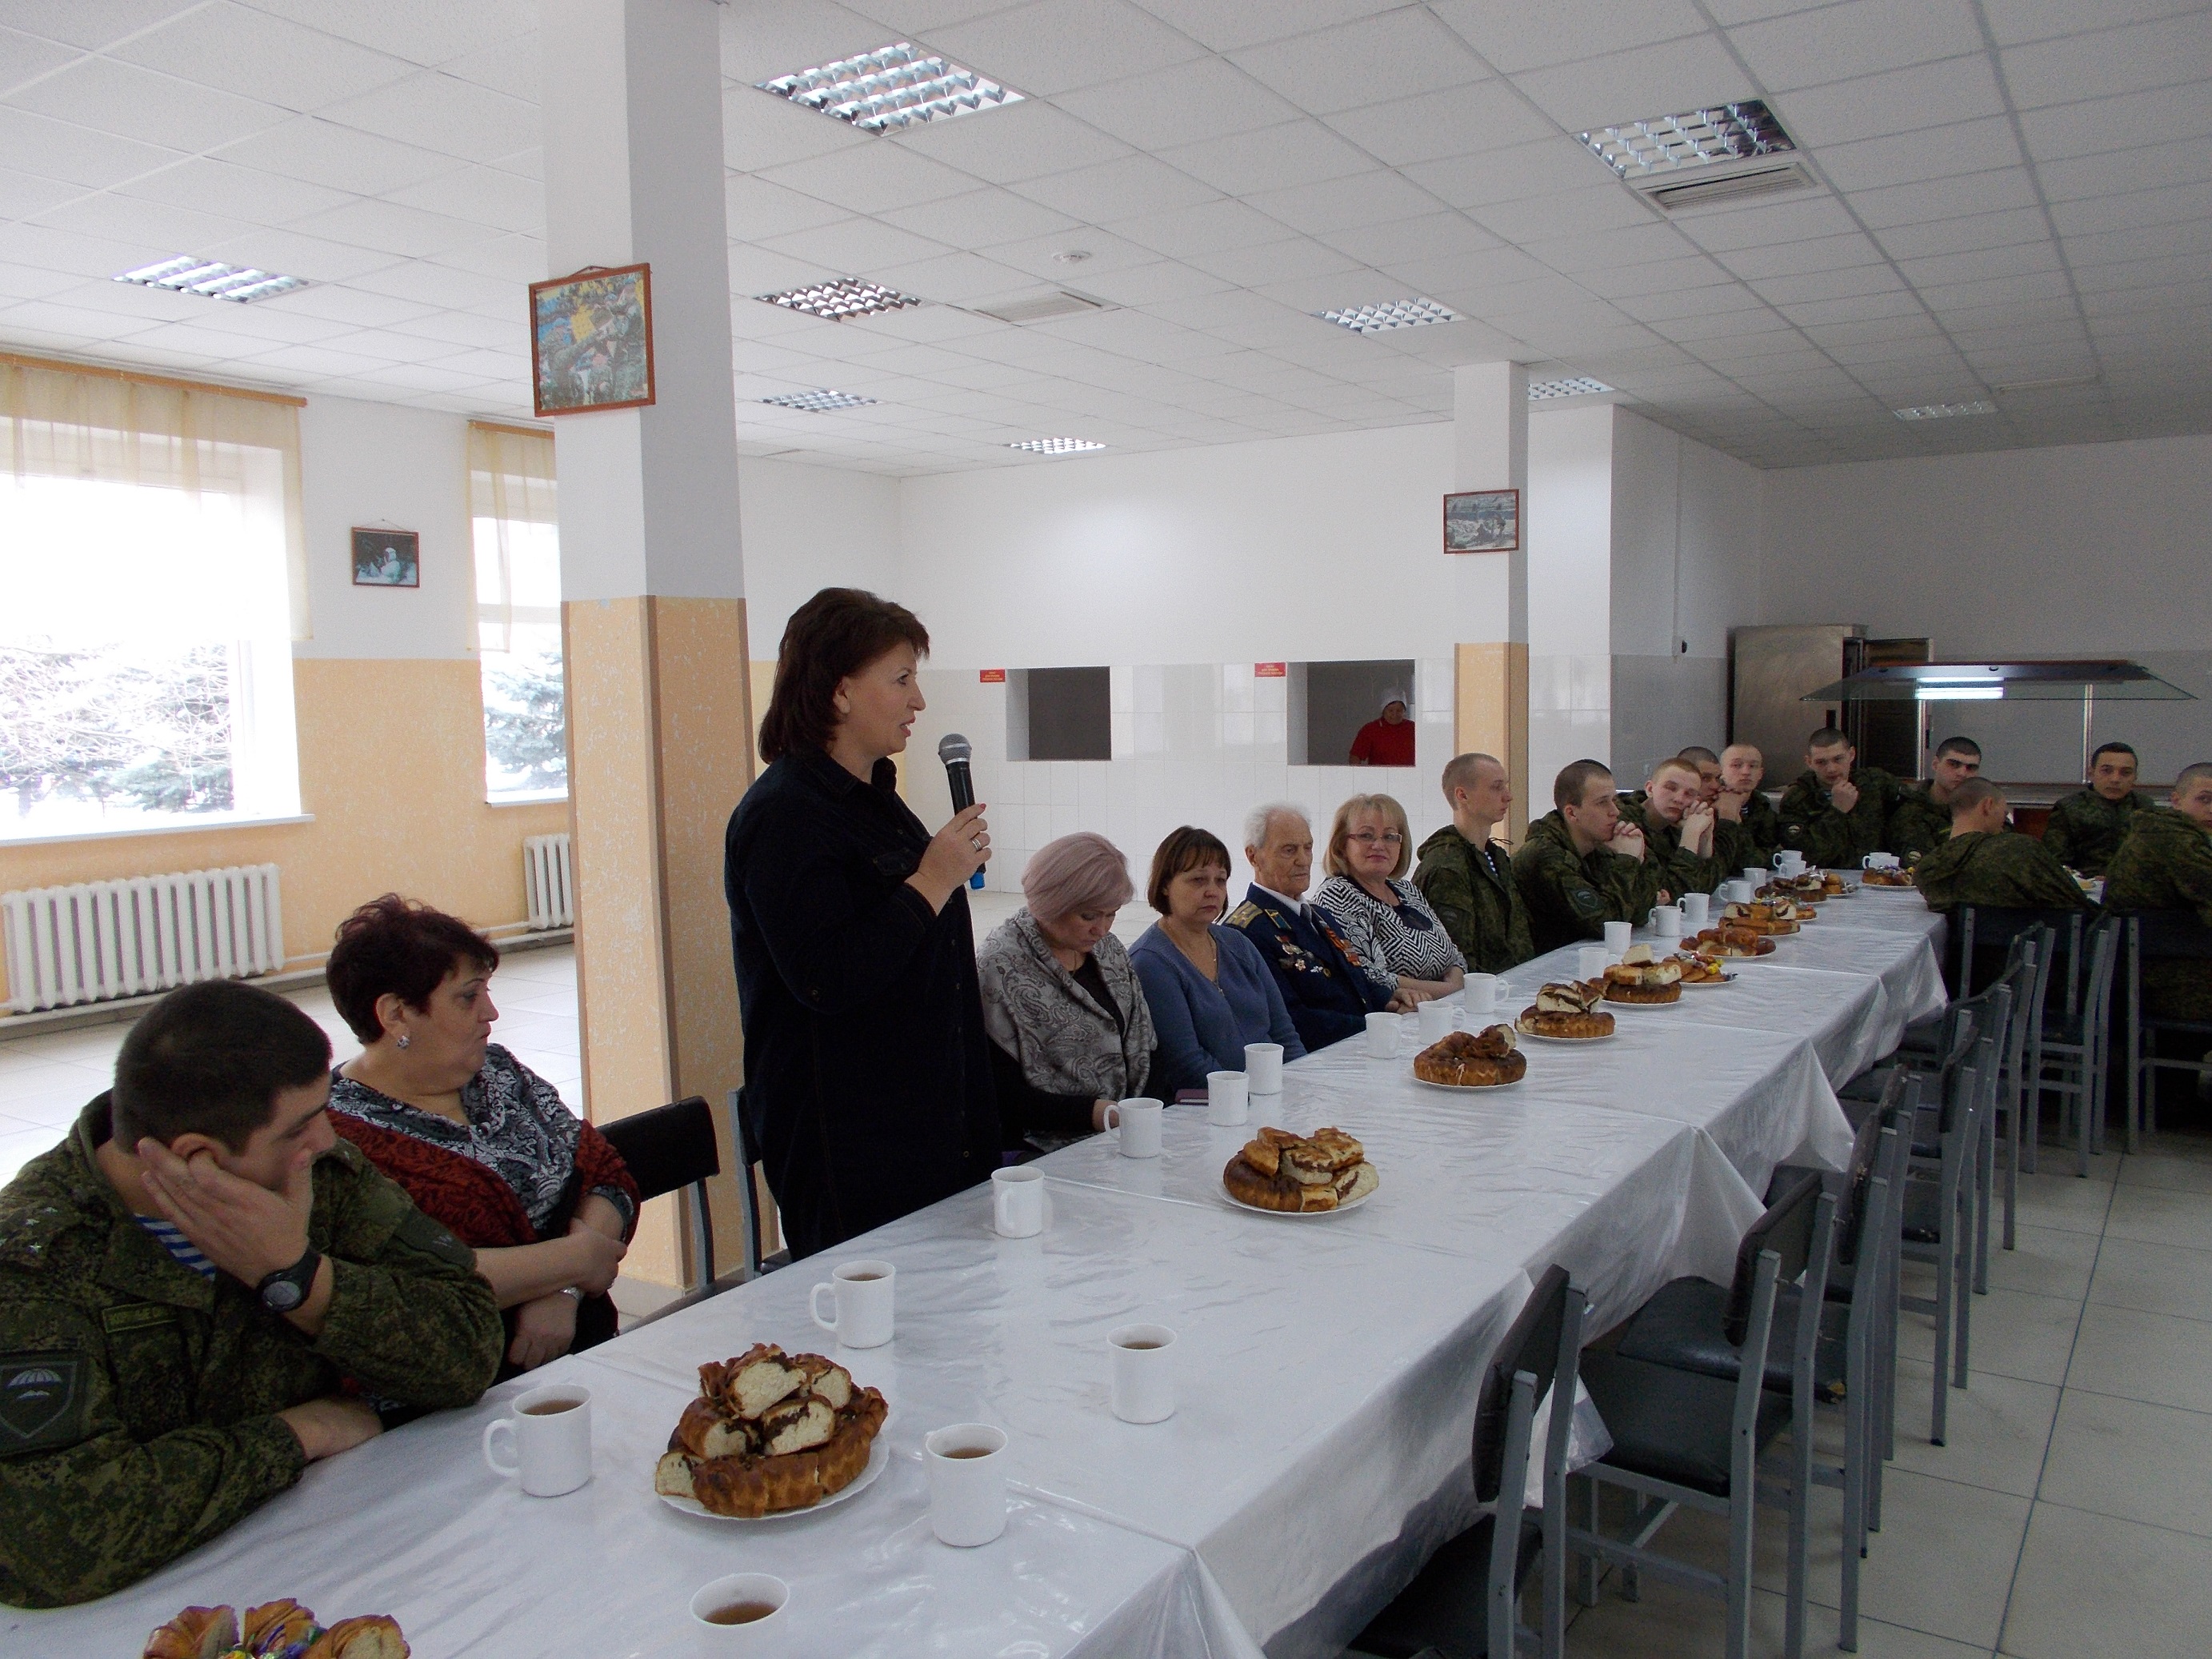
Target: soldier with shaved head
{"x": 1982, "y": 862}
{"x": 2165, "y": 863}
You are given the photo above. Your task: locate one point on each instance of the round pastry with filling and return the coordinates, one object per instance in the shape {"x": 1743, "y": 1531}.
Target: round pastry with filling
{"x": 1568, "y": 1012}
{"x": 1282, "y": 1171}
{"x": 770, "y": 1432}
{"x": 1733, "y": 942}
{"x": 1640, "y": 977}
{"x": 1473, "y": 1060}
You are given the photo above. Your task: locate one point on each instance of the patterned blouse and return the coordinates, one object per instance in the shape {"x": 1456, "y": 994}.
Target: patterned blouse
{"x": 1403, "y": 939}
{"x": 519, "y": 1130}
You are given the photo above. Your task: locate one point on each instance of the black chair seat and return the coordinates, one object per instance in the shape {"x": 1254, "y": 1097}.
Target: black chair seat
{"x": 1672, "y": 1424}
{"x": 1683, "y": 1325}
{"x": 1443, "y": 1609}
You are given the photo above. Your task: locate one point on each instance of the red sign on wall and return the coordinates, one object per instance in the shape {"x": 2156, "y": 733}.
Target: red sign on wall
{"x": 1270, "y": 670}
{"x": 991, "y": 676}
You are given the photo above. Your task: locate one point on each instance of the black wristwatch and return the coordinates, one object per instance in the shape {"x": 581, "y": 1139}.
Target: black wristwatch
{"x": 287, "y": 1287}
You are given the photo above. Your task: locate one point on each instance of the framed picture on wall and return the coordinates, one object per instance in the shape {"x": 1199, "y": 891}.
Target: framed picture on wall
{"x": 591, "y": 340}
{"x": 1483, "y": 521}
{"x": 387, "y": 558}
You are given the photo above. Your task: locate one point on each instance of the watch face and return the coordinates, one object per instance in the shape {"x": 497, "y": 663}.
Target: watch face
{"x": 283, "y": 1295}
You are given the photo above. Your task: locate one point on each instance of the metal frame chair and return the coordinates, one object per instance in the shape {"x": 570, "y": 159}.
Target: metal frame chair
{"x": 749, "y": 1206}
{"x": 2162, "y": 936}
{"x": 1938, "y": 1226}
{"x": 669, "y": 1149}
{"x": 2080, "y": 1051}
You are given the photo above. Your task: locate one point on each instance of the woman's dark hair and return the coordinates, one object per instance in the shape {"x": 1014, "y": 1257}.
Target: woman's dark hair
{"x": 208, "y": 1060}
{"x": 1184, "y": 849}
{"x": 838, "y": 632}
{"x": 395, "y": 946}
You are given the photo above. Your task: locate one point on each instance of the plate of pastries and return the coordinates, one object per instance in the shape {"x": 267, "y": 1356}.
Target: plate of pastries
{"x": 771, "y": 1434}
{"x": 1488, "y": 1058}
{"x": 1283, "y": 1172}
{"x": 1568, "y": 1012}
{"x": 1702, "y": 973}
{"x": 1814, "y": 887}
{"x": 274, "y": 1630}
{"x": 1767, "y": 915}
{"x": 1641, "y": 979}
{"x": 1886, "y": 879}
{"x": 1732, "y": 943}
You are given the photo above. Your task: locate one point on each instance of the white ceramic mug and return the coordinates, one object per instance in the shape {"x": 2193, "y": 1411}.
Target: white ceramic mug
{"x": 551, "y": 1429}
{"x": 1480, "y": 996}
{"x": 1144, "y": 1373}
{"x": 1695, "y": 909}
{"x": 1879, "y": 861}
{"x": 1263, "y": 1068}
{"x": 1790, "y": 861}
{"x": 863, "y": 1291}
{"x": 966, "y": 1465}
{"x": 742, "y": 1613}
{"x": 1382, "y": 1036}
{"x": 1018, "y": 1201}
{"x": 1591, "y": 962}
{"x": 1618, "y": 936}
{"x": 1136, "y": 1126}
{"x": 1228, "y": 1101}
{"x": 1666, "y": 922}
{"x": 1754, "y": 877}
{"x": 1435, "y": 1017}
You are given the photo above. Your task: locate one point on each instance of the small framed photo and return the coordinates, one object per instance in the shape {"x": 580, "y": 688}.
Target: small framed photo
{"x": 387, "y": 558}
{"x": 1483, "y": 521}
{"x": 591, "y": 340}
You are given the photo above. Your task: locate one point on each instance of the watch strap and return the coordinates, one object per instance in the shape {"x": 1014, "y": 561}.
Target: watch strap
{"x": 297, "y": 1279}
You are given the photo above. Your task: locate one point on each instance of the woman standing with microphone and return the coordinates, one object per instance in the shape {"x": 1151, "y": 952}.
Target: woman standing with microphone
{"x": 868, "y": 1090}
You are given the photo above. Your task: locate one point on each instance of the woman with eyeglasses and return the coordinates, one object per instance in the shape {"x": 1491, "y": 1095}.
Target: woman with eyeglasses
{"x": 1401, "y": 945}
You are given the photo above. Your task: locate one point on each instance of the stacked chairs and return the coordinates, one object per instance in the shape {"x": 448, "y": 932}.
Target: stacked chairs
{"x": 2157, "y": 936}
{"x": 1463, "y": 1604}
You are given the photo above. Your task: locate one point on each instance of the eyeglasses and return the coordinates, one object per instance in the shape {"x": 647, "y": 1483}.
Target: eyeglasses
{"x": 1368, "y": 838}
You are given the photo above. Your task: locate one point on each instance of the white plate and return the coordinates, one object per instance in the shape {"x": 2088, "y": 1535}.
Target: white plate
{"x": 1474, "y": 1088}
{"x": 1236, "y": 1203}
{"x": 1641, "y": 1007}
{"x": 879, "y": 1457}
{"x": 1712, "y": 985}
{"x": 1520, "y": 1036}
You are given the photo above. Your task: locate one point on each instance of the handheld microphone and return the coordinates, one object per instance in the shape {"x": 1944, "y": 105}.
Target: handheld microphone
{"x": 954, "y": 750}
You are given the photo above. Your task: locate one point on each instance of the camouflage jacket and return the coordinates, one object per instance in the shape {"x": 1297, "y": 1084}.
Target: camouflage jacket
{"x": 2165, "y": 863}
{"x": 1918, "y": 824}
{"x": 138, "y": 1397}
{"x": 1830, "y": 839}
{"x": 1570, "y": 897}
{"x": 1686, "y": 872}
{"x": 1477, "y": 900}
{"x": 2085, "y": 829}
{"x": 1754, "y": 839}
{"x": 2001, "y": 868}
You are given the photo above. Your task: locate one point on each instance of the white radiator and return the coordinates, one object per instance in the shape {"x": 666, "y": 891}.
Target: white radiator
{"x": 101, "y": 939}
{"x": 549, "y": 881}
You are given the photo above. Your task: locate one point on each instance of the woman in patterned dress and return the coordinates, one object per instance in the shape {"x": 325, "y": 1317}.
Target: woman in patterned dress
{"x": 481, "y": 1142}
{"x": 1402, "y": 944}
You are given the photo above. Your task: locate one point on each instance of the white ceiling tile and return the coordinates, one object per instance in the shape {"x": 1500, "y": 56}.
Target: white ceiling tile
{"x": 340, "y": 158}
{"x": 1600, "y": 207}
{"x": 209, "y": 185}
{"x": 1948, "y": 299}
{"x": 1839, "y": 42}
{"x": 1551, "y": 165}
{"x": 24, "y": 196}
{"x": 753, "y": 207}
{"x": 420, "y": 30}
{"x": 1517, "y": 37}
{"x": 89, "y": 23}
{"x": 2006, "y": 230}
{"x": 1050, "y": 46}
{"x": 1626, "y": 248}
{"x": 296, "y": 254}
{"x": 1022, "y": 141}
{"x": 1931, "y": 199}
{"x": 2097, "y": 124}
{"x": 2154, "y": 241}
{"x": 1857, "y": 307}
{"x": 1634, "y": 85}
{"x": 761, "y": 42}
{"x": 1299, "y": 152}
{"x": 455, "y": 329}
{"x": 481, "y": 195}
{"x": 392, "y": 228}
{"x": 1405, "y": 241}
{"x": 134, "y": 103}
{"x": 1397, "y": 54}
{"x": 1901, "y": 100}
{"x": 760, "y": 130}
{"x": 1935, "y": 271}
{"x": 983, "y": 219}
{"x": 441, "y": 285}
{"x": 1117, "y": 189}
{"x": 2013, "y": 22}
{"x": 517, "y": 259}
{"x": 1474, "y": 122}
{"x": 1038, "y": 257}
{"x": 853, "y": 247}
{"x": 1786, "y": 258}
{"x": 256, "y": 56}
{"x": 511, "y": 67}
{"x": 358, "y": 308}
{"x": 1932, "y": 153}
{"x": 79, "y": 255}
{"x": 757, "y": 270}
{"x": 1203, "y": 226}
{"x": 2144, "y": 207}
{"x": 123, "y": 219}
{"x": 1685, "y": 270}
{"x": 1206, "y": 98}
{"x": 871, "y": 178}
{"x": 2135, "y": 58}
{"x": 25, "y": 57}
{"x": 74, "y": 155}
{"x": 1250, "y": 267}
{"x": 1149, "y": 285}
{"x": 441, "y": 112}
{"x": 1343, "y": 203}
{"x": 2119, "y": 172}
{"x": 953, "y": 278}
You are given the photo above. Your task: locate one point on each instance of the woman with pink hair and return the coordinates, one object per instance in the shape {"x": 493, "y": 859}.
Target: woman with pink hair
{"x": 1070, "y": 1032}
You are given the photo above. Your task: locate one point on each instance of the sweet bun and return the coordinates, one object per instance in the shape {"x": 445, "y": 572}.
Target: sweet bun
{"x": 804, "y": 1445}
{"x": 1639, "y": 976}
{"x": 275, "y": 1629}
{"x": 373, "y": 1637}
{"x": 1294, "y": 1174}
{"x": 1568, "y": 1010}
{"x": 1473, "y": 1060}
{"x": 194, "y": 1633}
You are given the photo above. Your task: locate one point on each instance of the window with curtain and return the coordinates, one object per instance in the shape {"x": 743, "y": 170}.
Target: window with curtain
{"x": 154, "y": 569}
{"x": 518, "y": 560}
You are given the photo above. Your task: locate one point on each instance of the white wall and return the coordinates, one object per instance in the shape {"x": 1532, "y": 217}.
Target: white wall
{"x": 1570, "y": 522}
{"x": 2088, "y": 549}
{"x": 805, "y": 528}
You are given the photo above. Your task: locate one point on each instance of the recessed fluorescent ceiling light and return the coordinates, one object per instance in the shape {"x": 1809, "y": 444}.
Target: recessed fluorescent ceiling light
{"x": 241, "y": 284}
{"x": 818, "y": 401}
{"x": 1577, "y": 385}
{"x": 1667, "y": 144}
{"x": 2007, "y": 388}
{"x": 1944, "y": 411}
{"x": 1391, "y": 313}
{"x": 841, "y": 299}
{"x": 894, "y": 86}
{"x": 1056, "y": 446}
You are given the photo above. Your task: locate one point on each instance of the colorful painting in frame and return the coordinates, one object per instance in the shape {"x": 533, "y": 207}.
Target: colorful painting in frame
{"x": 591, "y": 340}
{"x": 1483, "y": 521}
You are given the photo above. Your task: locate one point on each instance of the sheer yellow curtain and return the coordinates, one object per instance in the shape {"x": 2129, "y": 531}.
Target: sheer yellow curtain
{"x": 239, "y": 450}
{"x": 512, "y": 498}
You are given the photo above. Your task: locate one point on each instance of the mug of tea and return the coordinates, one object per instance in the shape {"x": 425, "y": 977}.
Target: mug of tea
{"x": 1666, "y": 922}
{"x": 1018, "y": 1201}
{"x": 1136, "y": 1126}
{"x": 746, "y": 1608}
{"x": 1879, "y": 861}
{"x": 862, "y": 1291}
{"x": 1790, "y": 862}
{"x": 1436, "y": 1015}
{"x": 1263, "y": 1068}
{"x": 1480, "y": 996}
{"x": 1382, "y": 1036}
{"x": 1618, "y": 934}
{"x": 1144, "y": 1373}
{"x": 1228, "y": 1100}
{"x": 966, "y": 1465}
{"x": 1696, "y": 908}
{"x": 551, "y": 1435}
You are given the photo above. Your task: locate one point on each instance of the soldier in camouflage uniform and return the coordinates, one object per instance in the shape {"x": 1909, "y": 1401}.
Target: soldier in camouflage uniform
{"x": 186, "y": 1313}
{"x": 1837, "y": 812}
{"x": 1466, "y": 877}
{"x": 2085, "y": 829}
{"x": 2165, "y": 863}
{"x": 1982, "y": 862}
{"x": 1581, "y": 866}
{"x": 1676, "y": 824}
{"x": 1749, "y": 830}
{"x": 1920, "y": 819}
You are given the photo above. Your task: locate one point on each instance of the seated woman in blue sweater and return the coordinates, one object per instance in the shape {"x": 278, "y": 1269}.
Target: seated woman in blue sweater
{"x": 1207, "y": 987}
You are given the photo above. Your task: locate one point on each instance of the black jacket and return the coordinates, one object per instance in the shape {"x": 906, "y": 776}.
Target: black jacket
{"x": 1319, "y": 974}
{"x": 868, "y": 1090}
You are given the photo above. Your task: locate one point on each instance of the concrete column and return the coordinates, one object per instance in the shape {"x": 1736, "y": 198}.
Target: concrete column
{"x": 653, "y": 612}
{"x": 1490, "y": 415}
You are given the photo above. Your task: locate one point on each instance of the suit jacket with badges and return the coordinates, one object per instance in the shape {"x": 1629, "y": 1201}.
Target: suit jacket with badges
{"x": 1323, "y": 982}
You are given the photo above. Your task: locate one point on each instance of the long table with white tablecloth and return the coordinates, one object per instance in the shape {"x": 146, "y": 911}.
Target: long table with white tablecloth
{"x": 1327, "y": 1366}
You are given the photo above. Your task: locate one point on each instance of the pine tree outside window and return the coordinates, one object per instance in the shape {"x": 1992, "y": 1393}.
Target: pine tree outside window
{"x": 516, "y": 529}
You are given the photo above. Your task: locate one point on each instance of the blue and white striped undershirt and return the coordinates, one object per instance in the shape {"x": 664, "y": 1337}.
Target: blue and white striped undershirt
{"x": 171, "y": 1238}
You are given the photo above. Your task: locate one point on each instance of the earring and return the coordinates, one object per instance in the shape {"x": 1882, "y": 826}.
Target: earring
{"x": 404, "y": 1040}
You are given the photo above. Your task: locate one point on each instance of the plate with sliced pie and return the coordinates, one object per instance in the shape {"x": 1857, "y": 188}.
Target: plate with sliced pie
{"x": 771, "y": 1434}
{"x": 1571, "y": 1011}
{"x": 1640, "y": 981}
{"x": 1488, "y": 1058}
{"x": 1701, "y": 973}
{"x": 1282, "y": 1172}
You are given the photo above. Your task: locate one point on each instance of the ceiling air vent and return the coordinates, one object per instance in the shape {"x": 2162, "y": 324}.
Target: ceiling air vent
{"x": 1729, "y": 182}
{"x": 1705, "y": 157}
{"x": 1041, "y": 307}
